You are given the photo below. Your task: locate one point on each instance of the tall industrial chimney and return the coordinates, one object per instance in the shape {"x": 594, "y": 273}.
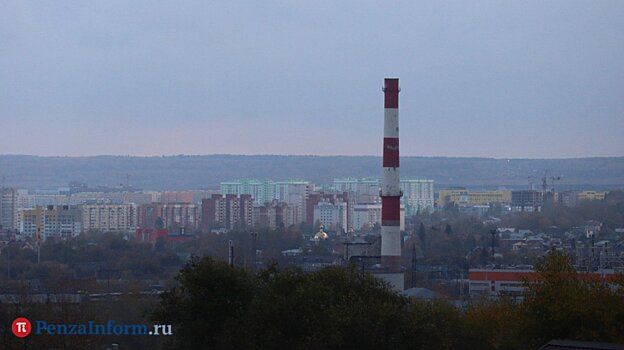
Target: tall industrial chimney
{"x": 391, "y": 189}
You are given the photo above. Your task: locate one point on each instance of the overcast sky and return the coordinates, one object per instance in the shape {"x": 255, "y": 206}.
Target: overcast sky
{"x": 534, "y": 79}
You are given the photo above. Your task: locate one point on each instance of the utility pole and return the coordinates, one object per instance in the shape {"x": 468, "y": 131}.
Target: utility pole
{"x": 254, "y": 236}
{"x": 413, "y": 264}
{"x": 493, "y": 233}
{"x": 38, "y": 245}
{"x": 231, "y": 253}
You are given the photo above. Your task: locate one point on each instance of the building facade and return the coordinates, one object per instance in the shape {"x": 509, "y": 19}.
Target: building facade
{"x": 591, "y": 196}
{"x": 511, "y": 282}
{"x": 260, "y": 191}
{"x": 170, "y": 197}
{"x": 368, "y": 215}
{"x": 567, "y": 198}
{"x": 417, "y": 196}
{"x": 28, "y": 200}
{"x": 294, "y": 193}
{"x": 173, "y": 216}
{"x": 8, "y": 208}
{"x": 464, "y": 197}
{"x": 52, "y": 221}
{"x": 109, "y": 217}
{"x": 526, "y": 200}
{"x": 492, "y": 283}
{"x": 332, "y": 215}
{"x": 273, "y": 215}
{"x": 316, "y": 198}
{"x": 365, "y": 190}
{"x": 229, "y": 211}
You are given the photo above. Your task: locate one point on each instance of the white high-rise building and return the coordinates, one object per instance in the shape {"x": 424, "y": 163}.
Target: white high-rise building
{"x": 109, "y": 217}
{"x": 365, "y": 190}
{"x": 368, "y": 215}
{"x": 261, "y": 192}
{"x": 332, "y": 215}
{"x": 8, "y": 208}
{"x": 417, "y": 195}
{"x": 28, "y": 200}
{"x": 294, "y": 193}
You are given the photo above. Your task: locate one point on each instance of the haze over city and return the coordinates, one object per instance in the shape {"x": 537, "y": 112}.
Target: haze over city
{"x": 311, "y": 174}
{"x": 528, "y": 79}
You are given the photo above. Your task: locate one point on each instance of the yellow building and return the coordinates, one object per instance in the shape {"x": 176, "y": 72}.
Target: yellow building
{"x": 31, "y": 222}
{"x": 455, "y": 196}
{"x": 466, "y": 197}
{"x": 41, "y": 223}
{"x": 487, "y": 197}
{"x": 590, "y": 196}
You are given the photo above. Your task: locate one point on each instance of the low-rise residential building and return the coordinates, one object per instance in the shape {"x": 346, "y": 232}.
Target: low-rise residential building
{"x": 491, "y": 282}
{"x": 152, "y": 236}
{"x": 465, "y": 197}
{"x": 591, "y": 196}
{"x": 511, "y": 281}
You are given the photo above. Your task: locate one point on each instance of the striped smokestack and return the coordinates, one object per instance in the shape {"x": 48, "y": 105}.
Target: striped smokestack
{"x": 390, "y": 189}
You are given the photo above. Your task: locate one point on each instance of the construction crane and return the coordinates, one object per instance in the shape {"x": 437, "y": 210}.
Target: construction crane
{"x": 552, "y": 179}
{"x": 127, "y": 178}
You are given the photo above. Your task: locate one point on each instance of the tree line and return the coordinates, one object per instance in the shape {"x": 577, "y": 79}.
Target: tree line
{"x": 218, "y": 306}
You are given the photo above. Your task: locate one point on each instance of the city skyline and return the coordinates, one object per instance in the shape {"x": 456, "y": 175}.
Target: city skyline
{"x": 486, "y": 79}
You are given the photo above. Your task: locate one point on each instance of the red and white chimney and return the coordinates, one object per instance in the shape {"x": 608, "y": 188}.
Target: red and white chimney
{"x": 390, "y": 188}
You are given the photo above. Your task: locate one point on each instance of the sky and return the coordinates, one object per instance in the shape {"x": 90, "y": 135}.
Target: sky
{"x": 503, "y": 79}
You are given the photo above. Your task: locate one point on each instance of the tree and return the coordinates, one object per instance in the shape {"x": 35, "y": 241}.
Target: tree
{"x": 332, "y": 308}
{"x": 561, "y": 303}
{"x": 435, "y": 325}
{"x": 495, "y": 324}
{"x": 448, "y": 229}
{"x": 209, "y": 296}
{"x": 218, "y": 306}
{"x": 159, "y": 223}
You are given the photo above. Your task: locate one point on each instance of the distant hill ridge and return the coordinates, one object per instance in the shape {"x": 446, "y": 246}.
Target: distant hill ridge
{"x": 206, "y": 171}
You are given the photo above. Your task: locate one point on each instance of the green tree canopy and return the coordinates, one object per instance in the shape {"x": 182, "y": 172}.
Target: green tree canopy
{"x": 219, "y": 306}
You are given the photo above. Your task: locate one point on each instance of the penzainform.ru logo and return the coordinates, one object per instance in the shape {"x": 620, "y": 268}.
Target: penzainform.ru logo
{"x": 22, "y": 327}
